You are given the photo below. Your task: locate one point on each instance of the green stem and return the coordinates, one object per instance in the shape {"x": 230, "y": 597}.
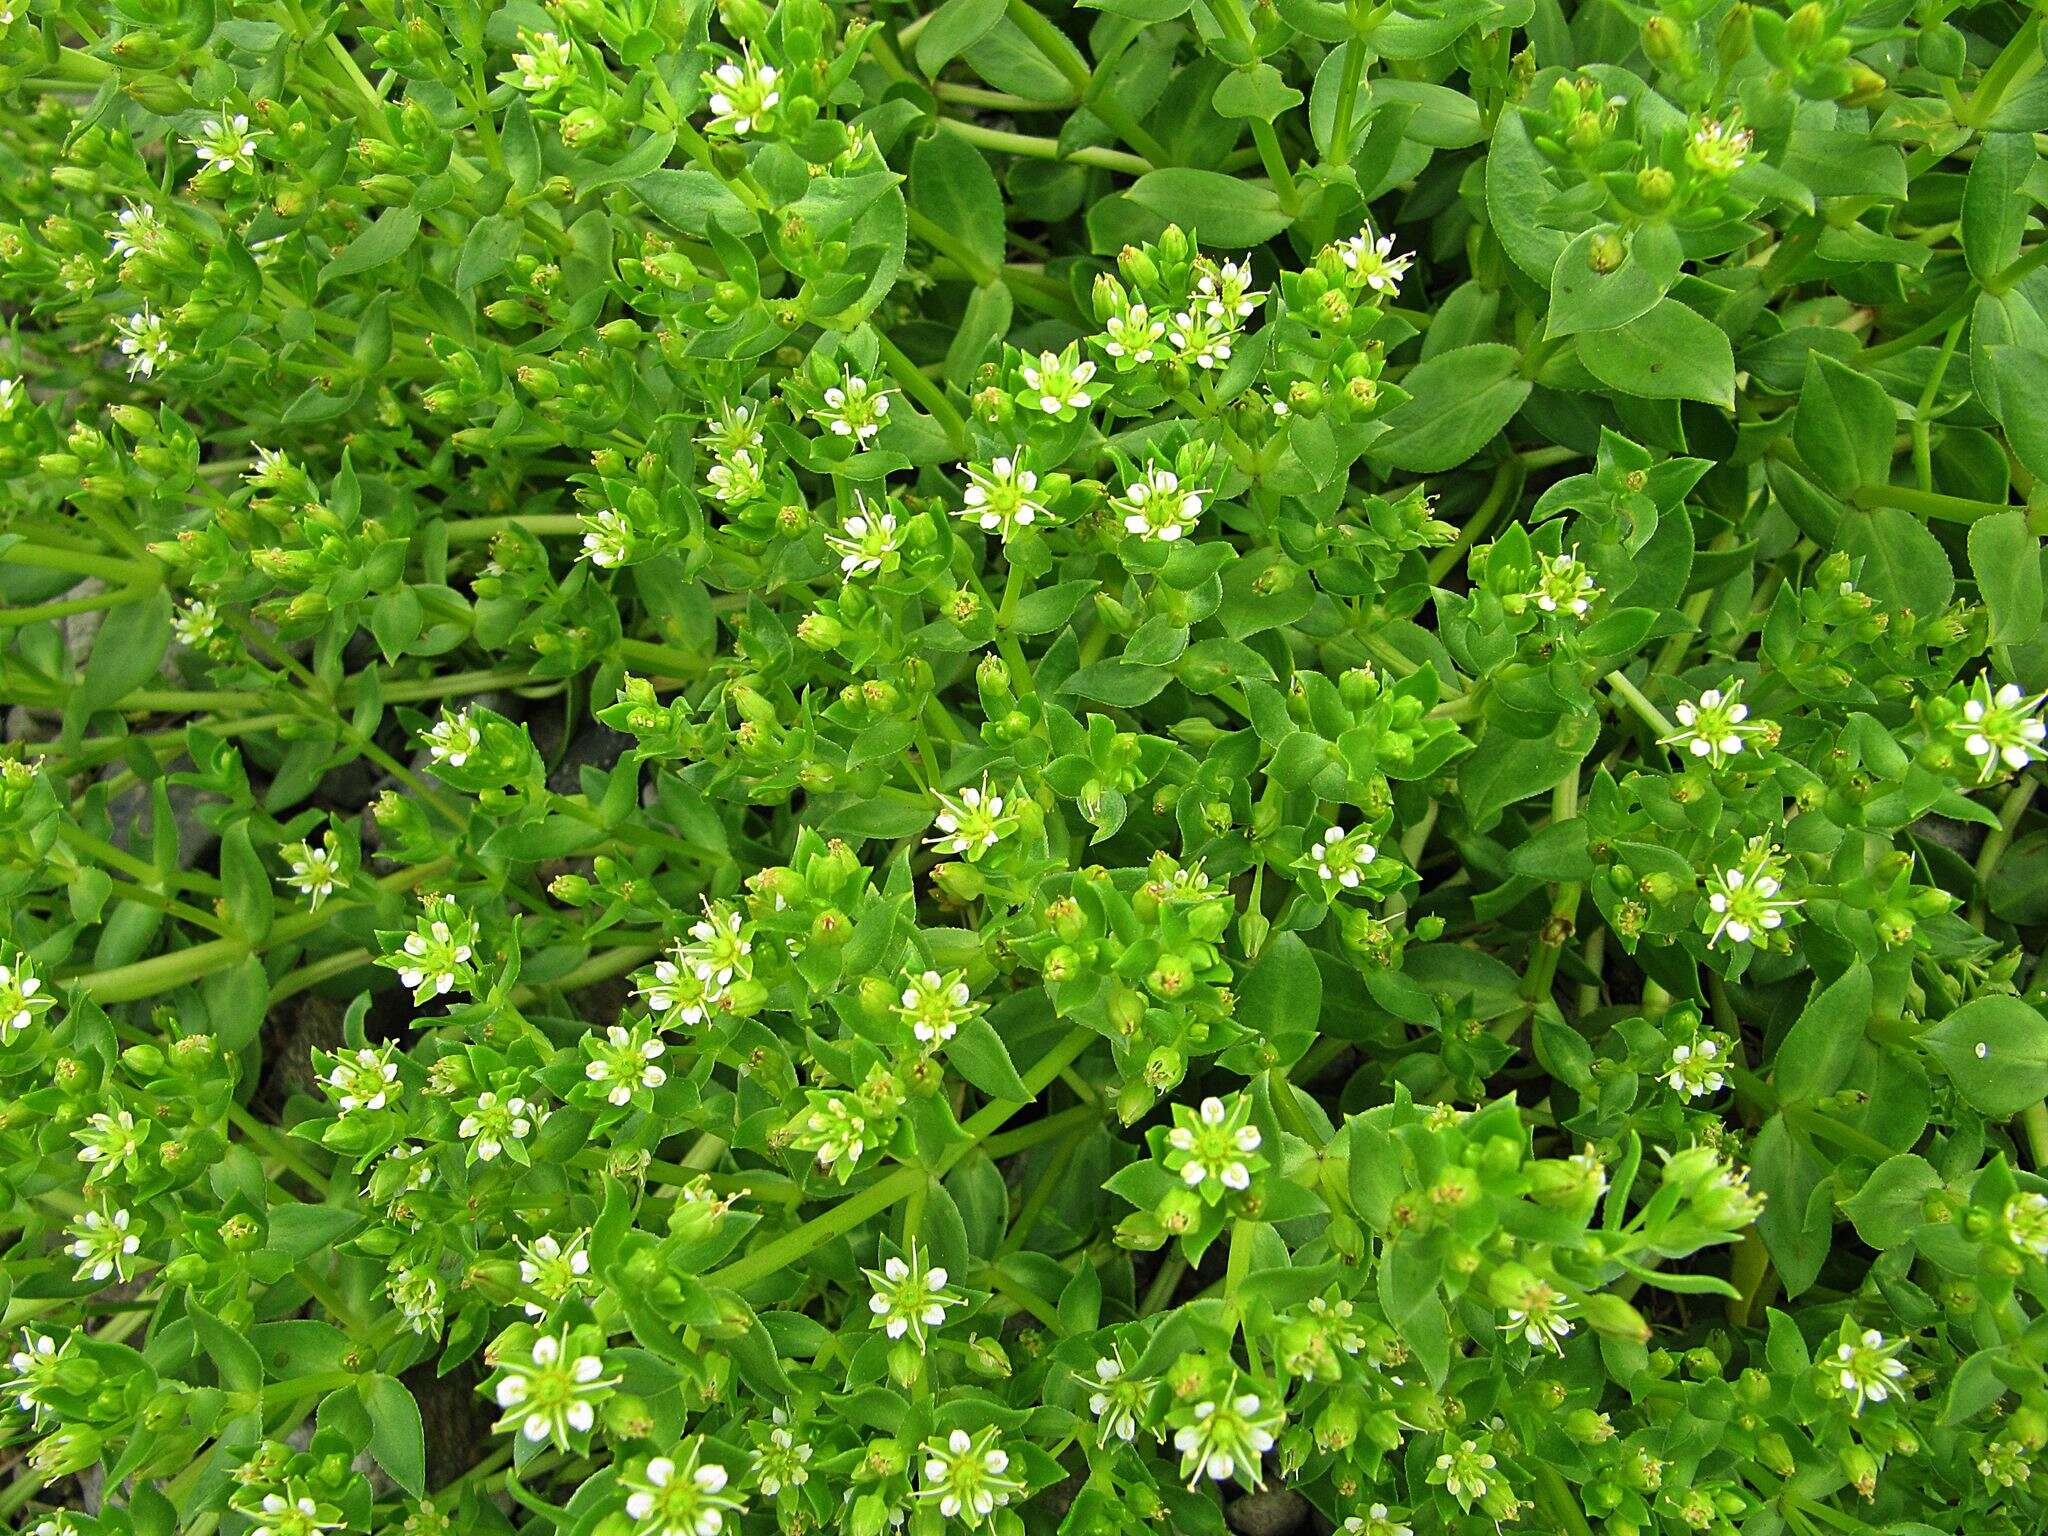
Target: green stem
{"x": 892, "y": 1187}
{"x": 925, "y": 392}
{"x": 1934, "y": 504}
{"x": 1038, "y": 147}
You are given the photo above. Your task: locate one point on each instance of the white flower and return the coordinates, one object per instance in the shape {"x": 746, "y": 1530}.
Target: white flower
{"x": 935, "y": 1006}
{"x": 1540, "y": 1317}
{"x": 2026, "y": 1222}
{"x": 909, "y": 1296}
{"x": 1226, "y": 1438}
{"x": 1201, "y": 338}
{"x": 553, "y": 1270}
{"x": 453, "y": 739}
{"x": 1376, "y": 1521}
{"x": 1718, "y": 149}
{"x": 737, "y": 477}
{"x": 224, "y": 144}
{"x": 36, "y": 1367}
{"x": 1374, "y": 262}
{"x": 1694, "y": 1070}
{"x": 1116, "y": 1399}
{"x": 553, "y": 1395}
{"x": 973, "y": 821}
{"x": 1002, "y": 498}
{"x": 144, "y": 338}
{"x": 1133, "y": 335}
{"x": 969, "y": 1476}
{"x": 104, "y": 1244}
{"x": 546, "y": 63}
{"x": 854, "y": 409}
{"x": 1154, "y": 506}
{"x": 364, "y": 1079}
{"x": 625, "y": 1060}
{"x": 1716, "y": 726}
{"x": 1563, "y": 585}
{"x": 492, "y": 1123}
{"x": 313, "y": 872}
{"x": 435, "y": 956}
{"x": 1213, "y": 1144}
{"x": 742, "y": 94}
{"x": 1744, "y": 903}
{"x": 1342, "y": 857}
{"x": 607, "y": 538}
{"x": 11, "y": 395}
{"x": 196, "y": 624}
{"x": 1868, "y": 1369}
{"x": 1465, "y": 1471}
{"x": 1226, "y": 291}
{"x": 781, "y": 1463}
{"x": 21, "y": 997}
{"x": 136, "y": 228}
{"x": 1057, "y": 382}
{"x": 2002, "y": 730}
{"x": 868, "y": 542}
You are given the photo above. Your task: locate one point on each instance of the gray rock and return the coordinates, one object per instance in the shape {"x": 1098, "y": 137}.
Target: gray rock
{"x": 1282, "y": 1513}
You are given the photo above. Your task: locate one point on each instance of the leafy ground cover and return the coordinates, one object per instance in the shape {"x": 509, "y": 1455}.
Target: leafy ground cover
{"x": 1167, "y": 766}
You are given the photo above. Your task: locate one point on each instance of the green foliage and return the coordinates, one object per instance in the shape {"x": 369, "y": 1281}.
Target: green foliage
{"x": 1023, "y": 768}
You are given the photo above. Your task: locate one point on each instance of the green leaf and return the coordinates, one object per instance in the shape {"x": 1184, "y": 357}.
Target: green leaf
{"x": 1844, "y": 426}
{"x": 250, "y": 899}
{"x": 488, "y": 249}
{"x": 1995, "y": 1050}
{"x": 235, "y": 1361}
{"x": 2021, "y": 378}
{"x": 1995, "y": 203}
{"x": 2006, "y": 560}
{"x": 1260, "y": 93}
{"x": 125, "y": 653}
{"x": 1223, "y": 210}
{"x": 1282, "y": 994}
{"x": 1505, "y": 769}
{"x": 1459, "y": 402}
{"x": 385, "y": 240}
{"x": 1817, "y": 1053}
{"x": 1669, "y": 353}
{"x": 521, "y": 145}
{"x": 1904, "y": 566}
{"x": 954, "y": 28}
{"x": 1892, "y": 1201}
{"x": 978, "y": 1054}
{"x": 397, "y": 1436}
{"x": 1582, "y": 298}
{"x": 691, "y": 198}
{"x": 951, "y": 184}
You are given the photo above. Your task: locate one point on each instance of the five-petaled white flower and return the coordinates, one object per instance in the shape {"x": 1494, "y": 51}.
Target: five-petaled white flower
{"x": 453, "y": 739}
{"x": 910, "y": 1296}
{"x": 1057, "y": 382}
{"x": 742, "y": 93}
{"x": 1716, "y": 726}
{"x": 1003, "y": 497}
{"x": 144, "y": 338}
{"x": 313, "y": 872}
{"x": 1155, "y": 506}
{"x": 1342, "y": 856}
{"x": 1744, "y": 904}
{"x": 1868, "y": 1369}
{"x": 1374, "y": 262}
{"x": 968, "y": 1475}
{"x": 973, "y": 821}
{"x": 625, "y": 1060}
{"x": 553, "y": 1394}
{"x": 1212, "y": 1148}
{"x": 364, "y": 1079}
{"x": 1695, "y": 1069}
{"x": 225, "y": 144}
{"x": 868, "y": 542}
{"x": 672, "y": 1497}
{"x": 2002, "y": 730}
